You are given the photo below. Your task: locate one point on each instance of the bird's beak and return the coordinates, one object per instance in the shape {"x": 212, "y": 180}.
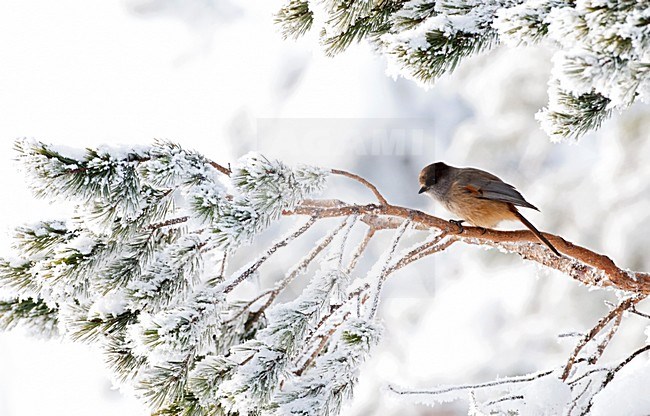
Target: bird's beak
{"x": 423, "y": 189}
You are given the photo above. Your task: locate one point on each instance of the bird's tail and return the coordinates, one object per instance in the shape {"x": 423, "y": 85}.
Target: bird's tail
{"x": 535, "y": 231}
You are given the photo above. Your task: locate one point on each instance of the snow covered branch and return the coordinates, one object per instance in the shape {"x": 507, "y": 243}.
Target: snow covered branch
{"x": 600, "y": 64}
{"x": 578, "y": 262}
{"x": 140, "y": 269}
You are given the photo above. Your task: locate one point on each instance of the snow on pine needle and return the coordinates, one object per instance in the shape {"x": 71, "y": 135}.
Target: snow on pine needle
{"x": 600, "y": 64}
{"x": 283, "y": 339}
{"x": 323, "y": 389}
{"x": 137, "y": 268}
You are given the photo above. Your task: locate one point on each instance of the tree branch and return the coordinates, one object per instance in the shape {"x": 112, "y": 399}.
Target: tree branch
{"x": 578, "y": 262}
{"x": 462, "y": 387}
{"x": 292, "y": 274}
{"x": 360, "y": 249}
{"x": 612, "y": 373}
{"x": 253, "y": 267}
{"x": 367, "y": 184}
{"x": 225, "y": 170}
{"x": 171, "y": 221}
{"x": 612, "y": 315}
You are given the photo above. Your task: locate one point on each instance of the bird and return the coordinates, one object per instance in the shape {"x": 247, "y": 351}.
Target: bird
{"x": 476, "y": 196}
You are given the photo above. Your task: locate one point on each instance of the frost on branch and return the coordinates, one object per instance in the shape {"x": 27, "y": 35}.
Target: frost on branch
{"x": 278, "y": 345}
{"x": 138, "y": 266}
{"x": 139, "y": 270}
{"x": 602, "y": 58}
{"x": 324, "y": 387}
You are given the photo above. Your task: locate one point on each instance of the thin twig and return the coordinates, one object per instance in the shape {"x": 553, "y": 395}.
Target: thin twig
{"x": 422, "y": 251}
{"x": 225, "y": 170}
{"x": 323, "y": 342}
{"x": 578, "y": 262}
{"x": 325, "y": 337}
{"x": 306, "y": 261}
{"x": 252, "y": 268}
{"x": 637, "y": 312}
{"x": 344, "y": 238}
{"x": 504, "y": 399}
{"x": 385, "y": 269}
{"x": 294, "y": 272}
{"x": 612, "y": 373}
{"x": 248, "y": 305}
{"x": 334, "y": 309}
{"x": 171, "y": 221}
{"x": 622, "y": 307}
{"x": 463, "y": 387}
{"x": 578, "y": 397}
{"x": 367, "y": 184}
{"x": 603, "y": 344}
{"x": 587, "y": 374}
{"x": 361, "y": 248}
{"x": 224, "y": 262}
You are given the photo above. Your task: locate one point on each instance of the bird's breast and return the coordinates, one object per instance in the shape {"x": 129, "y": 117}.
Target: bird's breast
{"x": 480, "y": 212}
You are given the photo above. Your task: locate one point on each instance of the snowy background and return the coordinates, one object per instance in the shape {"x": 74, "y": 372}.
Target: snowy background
{"x": 216, "y": 76}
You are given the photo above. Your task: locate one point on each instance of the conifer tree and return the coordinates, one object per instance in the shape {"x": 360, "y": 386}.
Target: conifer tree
{"x": 140, "y": 270}
{"x": 601, "y": 63}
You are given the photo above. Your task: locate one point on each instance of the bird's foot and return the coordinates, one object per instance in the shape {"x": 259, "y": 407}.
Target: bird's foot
{"x": 459, "y": 224}
{"x": 483, "y": 230}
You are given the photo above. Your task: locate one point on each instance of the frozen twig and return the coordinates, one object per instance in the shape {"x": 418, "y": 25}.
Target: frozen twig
{"x": 603, "y": 344}
{"x": 586, "y": 374}
{"x": 325, "y": 337}
{"x": 334, "y": 309}
{"x": 171, "y": 221}
{"x": 505, "y": 399}
{"x": 434, "y": 245}
{"x": 612, "y": 315}
{"x": 612, "y": 373}
{"x": 306, "y": 261}
{"x": 361, "y": 248}
{"x": 464, "y": 387}
{"x": 293, "y": 273}
{"x": 257, "y": 263}
{"x": 224, "y": 264}
{"x": 576, "y": 400}
{"x": 385, "y": 268}
{"x": 323, "y": 342}
{"x": 363, "y": 181}
{"x": 637, "y": 312}
{"x": 349, "y": 224}
{"x": 577, "y": 262}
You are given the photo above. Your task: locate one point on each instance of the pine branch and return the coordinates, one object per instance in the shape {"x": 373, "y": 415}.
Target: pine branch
{"x": 139, "y": 286}
{"x": 577, "y": 262}
{"x": 32, "y": 313}
{"x": 257, "y": 263}
{"x": 600, "y": 62}
{"x": 295, "y": 18}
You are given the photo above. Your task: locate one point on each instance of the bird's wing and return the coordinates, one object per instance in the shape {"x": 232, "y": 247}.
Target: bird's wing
{"x": 484, "y": 185}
